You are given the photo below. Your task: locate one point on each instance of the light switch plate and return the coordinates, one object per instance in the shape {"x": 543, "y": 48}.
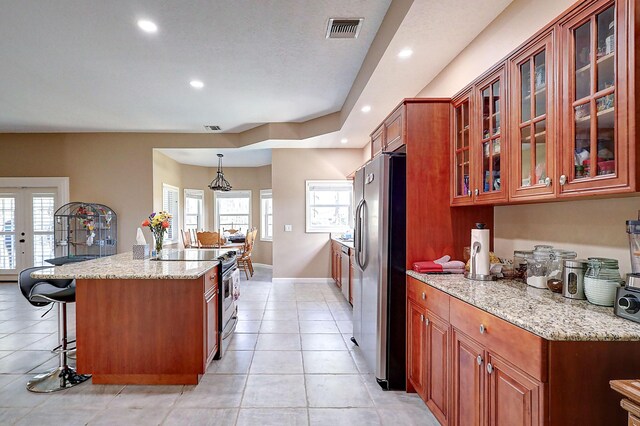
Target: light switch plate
{"x": 288, "y": 228}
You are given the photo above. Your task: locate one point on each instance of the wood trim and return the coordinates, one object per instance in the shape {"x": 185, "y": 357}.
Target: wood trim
{"x": 145, "y": 379}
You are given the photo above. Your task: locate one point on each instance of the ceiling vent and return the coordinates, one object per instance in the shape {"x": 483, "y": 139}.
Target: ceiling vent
{"x": 213, "y": 128}
{"x": 344, "y": 28}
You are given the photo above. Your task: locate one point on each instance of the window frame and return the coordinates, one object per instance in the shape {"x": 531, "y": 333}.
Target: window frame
{"x": 309, "y": 228}
{"x": 189, "y": 193}
{"x": 265, "y": 194}
{"x": 174, "y": 222}
{"x": 229, "y": 194}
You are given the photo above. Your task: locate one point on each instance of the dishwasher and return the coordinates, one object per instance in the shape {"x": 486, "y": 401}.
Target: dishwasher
{"x": 345, "y": 269}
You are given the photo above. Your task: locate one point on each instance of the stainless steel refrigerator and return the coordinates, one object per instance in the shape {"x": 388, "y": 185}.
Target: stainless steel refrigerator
{"x": 379, "y": 293}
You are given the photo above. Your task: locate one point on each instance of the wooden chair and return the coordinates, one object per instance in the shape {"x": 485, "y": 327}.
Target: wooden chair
{"x": 232, "y": 231}
{"x": 244, "y": 257}
{"x": 187, "y": 240}
{"x": 210, "y": 240}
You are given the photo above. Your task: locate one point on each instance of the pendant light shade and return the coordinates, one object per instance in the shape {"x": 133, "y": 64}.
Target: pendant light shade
{"x": 219, "y": 183}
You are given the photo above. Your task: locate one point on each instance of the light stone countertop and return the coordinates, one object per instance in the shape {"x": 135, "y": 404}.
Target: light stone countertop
{"x": 123, "y": 267}
{"x": 343, "y": 242}
{"x": 542, "y": 312}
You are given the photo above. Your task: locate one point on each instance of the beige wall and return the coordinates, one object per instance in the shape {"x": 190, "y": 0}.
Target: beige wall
{"x": 298, "y": 254}
{"x": 169, "y": 171}
{"x": 591, "y": 227}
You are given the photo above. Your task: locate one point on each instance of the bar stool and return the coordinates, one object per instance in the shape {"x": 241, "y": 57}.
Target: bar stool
{"x": 41, "y": 292}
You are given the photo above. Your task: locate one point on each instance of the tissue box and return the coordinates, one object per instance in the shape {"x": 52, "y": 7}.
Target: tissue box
{"x": 141, "y": 251}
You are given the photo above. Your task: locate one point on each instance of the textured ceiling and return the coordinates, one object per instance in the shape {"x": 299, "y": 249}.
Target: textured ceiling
{"x": 83, "y": 65}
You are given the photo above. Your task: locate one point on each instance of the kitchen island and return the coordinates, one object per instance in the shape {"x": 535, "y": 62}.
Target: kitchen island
{"x": 144, "y": 321}
{"x": 514, "y": 354}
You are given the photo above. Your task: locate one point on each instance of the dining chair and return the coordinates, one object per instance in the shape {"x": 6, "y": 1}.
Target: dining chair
{"x": 210, "y": 239}
{"x": 186, "y": 238}
{"x": 244, "y": 257}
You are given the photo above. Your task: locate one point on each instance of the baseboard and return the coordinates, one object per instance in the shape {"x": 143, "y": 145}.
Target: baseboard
{"x": 262, "y": 265}
{"x": 302, "y": 280}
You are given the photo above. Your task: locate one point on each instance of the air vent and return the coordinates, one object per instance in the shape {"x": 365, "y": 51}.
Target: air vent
{"x": 213, "y": 128}
{"x": 344, "y": 28}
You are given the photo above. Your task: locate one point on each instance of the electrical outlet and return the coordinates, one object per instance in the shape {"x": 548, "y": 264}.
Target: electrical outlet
{"x": 288, "y": 228}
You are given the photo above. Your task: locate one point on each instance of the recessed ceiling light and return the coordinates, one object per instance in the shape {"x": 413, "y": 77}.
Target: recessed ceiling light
{"x": 147, "y": 26}
{"x": 344, "y": 140}
{"x": 196, "y": 84}
{"x": 405, "y": 53}
{"x": 366, "y": 108}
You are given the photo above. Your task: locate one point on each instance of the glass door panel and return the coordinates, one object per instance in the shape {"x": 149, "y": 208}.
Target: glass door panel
{"x": 8, "y": 226}
{"x": 525, "y": 91}
{"x": 486, "y": 112}
{"x": 462, "y": 165}
{"x": 582, "y": 140}
{"x": 540, "y": 151}
{"x": 540, "y": 93}
{"x": 582, "y": 37}
{"x": 606, "y": 135}
{"x": 525, "y": 156}
{"x": 43, "y": 208}
{"x": 606, "y": 49}
{"x": 495, "y": 129}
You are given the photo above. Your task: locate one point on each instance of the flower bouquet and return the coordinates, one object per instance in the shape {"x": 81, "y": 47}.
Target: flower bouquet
{"x": 158, "y": 223}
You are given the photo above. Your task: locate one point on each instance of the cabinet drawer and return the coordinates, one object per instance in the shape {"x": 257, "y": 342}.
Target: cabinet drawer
{"x": 210, "y": 279}
{"x": 428, "y": 297}
{"x": 523, "y": 349}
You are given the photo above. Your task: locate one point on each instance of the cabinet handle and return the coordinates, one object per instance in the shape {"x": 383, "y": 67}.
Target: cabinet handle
{"x": 477, "y": 192}
{"x": 547, "y": 181}
{"x": 563, "y": 180}
{"x": 421, "y": 318}
{"x": 424, "y": 296}
{"x": 489, "y": 368}
{"x": 479, "y": 359}
{"x": 483, "y": 329}
{"x": 426, "y": 321}
{"x": 469, "y": 193}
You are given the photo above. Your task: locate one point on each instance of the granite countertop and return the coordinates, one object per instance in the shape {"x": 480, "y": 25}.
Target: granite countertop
{"x": 122, "y": 266}
{"x": 343, "y": 242}
{"x": 546, "y": 314}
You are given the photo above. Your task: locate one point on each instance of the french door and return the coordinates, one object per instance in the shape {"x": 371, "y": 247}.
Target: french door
{"x": 26, "y": 228}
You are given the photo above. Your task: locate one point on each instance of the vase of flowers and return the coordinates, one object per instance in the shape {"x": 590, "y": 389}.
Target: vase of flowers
{"x": 158, "y": 223}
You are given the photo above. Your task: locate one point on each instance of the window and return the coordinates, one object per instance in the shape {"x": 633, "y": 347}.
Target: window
{"x": 43, "y": 241}
{"x": 193, "y": 209}
{"x": 233, "y": 210}
{"x": 266, "y": 215}
{"x": 171, "y": 205}
{"x": 329, "y": 205}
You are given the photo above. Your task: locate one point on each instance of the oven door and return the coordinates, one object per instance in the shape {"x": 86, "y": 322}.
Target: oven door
{"x": 228, "y": 307}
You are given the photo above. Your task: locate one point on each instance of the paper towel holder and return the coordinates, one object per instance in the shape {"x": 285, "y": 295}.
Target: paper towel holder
{"x": 472, "y": 275}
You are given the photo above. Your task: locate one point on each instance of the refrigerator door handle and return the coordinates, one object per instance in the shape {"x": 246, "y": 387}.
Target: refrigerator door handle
{"x": 362, "y": 249}
{"x": 357, "y": 236}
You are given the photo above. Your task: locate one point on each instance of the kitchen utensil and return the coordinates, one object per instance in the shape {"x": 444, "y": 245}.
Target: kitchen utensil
{"x": 573, "y": 278}
{"x": 633, "y": 229}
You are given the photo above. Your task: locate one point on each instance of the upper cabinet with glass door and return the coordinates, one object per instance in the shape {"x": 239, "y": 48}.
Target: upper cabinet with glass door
{"x": 489, "y": 142}
{"x": 461, "y": 192}
{"x": 595, "y": 150}
{"x": 532, "y": 121}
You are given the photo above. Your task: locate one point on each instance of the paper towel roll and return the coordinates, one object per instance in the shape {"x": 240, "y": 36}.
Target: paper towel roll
{"x": 482, "y": 263}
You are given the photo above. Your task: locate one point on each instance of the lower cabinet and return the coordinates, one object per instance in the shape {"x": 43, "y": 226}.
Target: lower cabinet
{"x": 336, "y": 266}
{"x": 467, "y": 380}
{"x": 416, "y": 340}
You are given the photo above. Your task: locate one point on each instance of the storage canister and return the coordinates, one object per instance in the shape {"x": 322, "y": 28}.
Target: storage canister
{"x": 520, "y": 258}
{"x": 601, "y": 281}
{"x": 573, "y": 278}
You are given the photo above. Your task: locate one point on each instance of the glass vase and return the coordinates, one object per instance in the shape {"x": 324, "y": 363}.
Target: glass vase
{"x": 158, "y": 242}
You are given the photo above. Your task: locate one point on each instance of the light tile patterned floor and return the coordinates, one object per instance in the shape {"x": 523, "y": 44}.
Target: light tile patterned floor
{"x": 291, "y": 362}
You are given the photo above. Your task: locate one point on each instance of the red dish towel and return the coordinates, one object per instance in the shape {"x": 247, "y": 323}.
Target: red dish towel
{"x": 430, "y": 266}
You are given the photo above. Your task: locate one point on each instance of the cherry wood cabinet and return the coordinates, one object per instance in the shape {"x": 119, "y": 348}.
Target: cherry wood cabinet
{"x": 437, "y": 372}
{"x": 467, "y": 380}
{"x": 532, "y": 120}
{"x": 377, "y": 141}
{"x": 390, "y": 135}
{"x": 336, "y": 263}
{"x": 597, "y": 63}
{"x": 557, "y": 119}
{"x": 416, "y": 340}
{"x": 488, "y": 142}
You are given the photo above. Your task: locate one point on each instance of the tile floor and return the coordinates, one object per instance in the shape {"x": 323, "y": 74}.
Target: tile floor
{"x": 291, "y": 362}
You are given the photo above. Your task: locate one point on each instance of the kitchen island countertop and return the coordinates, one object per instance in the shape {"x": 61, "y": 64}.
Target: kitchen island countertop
{"x": 124, "y": 267}
{"x": 546, "y": 314}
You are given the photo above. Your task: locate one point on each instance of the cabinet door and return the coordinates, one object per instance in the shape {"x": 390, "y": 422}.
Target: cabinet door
{"x": 437, "y": 372}
{"x": 514, "y": 398}
{"x": 339, "y": 267}
{"x": 489, "y": 143}
{"x": 461, "y": 171}
{"x": 394, "y": 130}
{"x": 416, "y": 360}
{"x": 533, "y": 156}
{"x": 595, "y": 154}
{"x": 468, "y": 380}
{"x": 377, "y": 141}
{"x": 211, "y": 300}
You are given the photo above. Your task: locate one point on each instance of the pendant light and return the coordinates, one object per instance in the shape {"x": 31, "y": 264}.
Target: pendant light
{"x": 219, "y": 183}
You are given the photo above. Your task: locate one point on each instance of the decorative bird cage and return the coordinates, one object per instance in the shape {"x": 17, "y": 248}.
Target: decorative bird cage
{"x": 85, "y": 231}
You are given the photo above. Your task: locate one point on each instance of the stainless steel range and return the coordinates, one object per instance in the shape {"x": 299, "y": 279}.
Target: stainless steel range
{"x": 228, "y": 277}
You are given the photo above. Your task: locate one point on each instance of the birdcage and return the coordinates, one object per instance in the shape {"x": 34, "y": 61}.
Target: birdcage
{"x": 85, "y": 231}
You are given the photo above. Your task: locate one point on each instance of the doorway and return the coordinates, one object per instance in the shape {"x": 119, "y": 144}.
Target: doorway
{"x": 26, "y": 228}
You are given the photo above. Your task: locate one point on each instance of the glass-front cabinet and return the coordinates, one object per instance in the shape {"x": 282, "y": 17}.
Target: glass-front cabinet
{"x": 594, "y": 114}
{"x": 488, "y": 145}
{"x": 461, "y": 137}
{"x": 532, "y": 121}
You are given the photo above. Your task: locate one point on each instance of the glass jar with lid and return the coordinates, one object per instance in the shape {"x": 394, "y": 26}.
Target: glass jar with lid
{"x": 520, "y": 258}
{"x": 601, "y": 281}
{"x": 556, "y": 265}
{"x": 538, "y": 266}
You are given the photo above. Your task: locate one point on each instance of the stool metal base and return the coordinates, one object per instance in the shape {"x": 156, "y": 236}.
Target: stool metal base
{"x": 57, "y": 379}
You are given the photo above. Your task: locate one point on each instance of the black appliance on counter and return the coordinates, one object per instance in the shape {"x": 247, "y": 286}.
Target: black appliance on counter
{"x": 627, "y": 303}
{"x": 228, "y": 277}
